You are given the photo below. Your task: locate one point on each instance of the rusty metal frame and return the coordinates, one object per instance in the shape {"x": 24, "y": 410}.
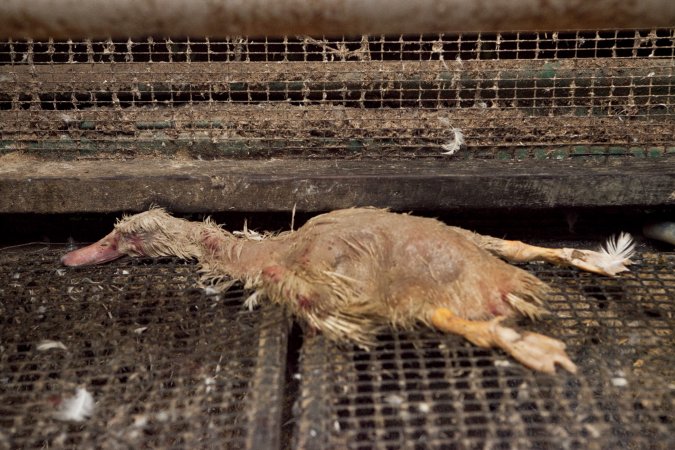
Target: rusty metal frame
{"x": 63, "y": 19}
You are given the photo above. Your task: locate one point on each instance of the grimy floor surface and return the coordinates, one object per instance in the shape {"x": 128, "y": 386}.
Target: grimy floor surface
{"x": 170, "y": 366}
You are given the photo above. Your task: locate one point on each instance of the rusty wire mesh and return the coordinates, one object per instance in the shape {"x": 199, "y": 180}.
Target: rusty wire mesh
{"x": 421, "y": 390}
{"x": 167, "y": 365}
{"x": 171, "y": 367}
{"x": 519, "y": 95}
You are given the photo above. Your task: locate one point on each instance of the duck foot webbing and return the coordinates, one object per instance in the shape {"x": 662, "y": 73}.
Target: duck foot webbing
{"x": 533, "y": 350}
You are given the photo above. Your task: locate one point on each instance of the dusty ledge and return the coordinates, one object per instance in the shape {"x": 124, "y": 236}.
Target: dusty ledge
{"x": 315, "y": 185}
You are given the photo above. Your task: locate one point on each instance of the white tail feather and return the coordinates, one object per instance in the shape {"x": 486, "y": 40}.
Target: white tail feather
{"x": 621, "y": 247}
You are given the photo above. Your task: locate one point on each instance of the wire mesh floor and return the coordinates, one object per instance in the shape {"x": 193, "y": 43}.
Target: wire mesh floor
{"x": 169, "y": 366}
{"x": 423, "y": 390}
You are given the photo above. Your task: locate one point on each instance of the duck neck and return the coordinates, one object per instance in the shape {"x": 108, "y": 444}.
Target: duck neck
{"x": 221, "y": 253}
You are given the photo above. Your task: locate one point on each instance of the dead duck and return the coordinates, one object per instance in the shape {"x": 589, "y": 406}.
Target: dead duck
{"x": 351, "y": 273}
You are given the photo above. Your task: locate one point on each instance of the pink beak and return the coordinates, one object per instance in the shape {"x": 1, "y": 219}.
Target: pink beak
{"x": 97, "y": 253}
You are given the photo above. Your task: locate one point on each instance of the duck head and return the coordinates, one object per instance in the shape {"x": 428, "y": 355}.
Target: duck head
{"x": 150, "y": 233}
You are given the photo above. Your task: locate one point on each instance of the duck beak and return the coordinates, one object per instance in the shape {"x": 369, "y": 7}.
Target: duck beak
{"x": 97, "y": 253}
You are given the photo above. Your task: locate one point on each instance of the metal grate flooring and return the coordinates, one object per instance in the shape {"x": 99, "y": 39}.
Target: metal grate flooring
{"x": 172, "y": 367}
{"x": 423, "y": 390}
{"x": 167, "y": 365}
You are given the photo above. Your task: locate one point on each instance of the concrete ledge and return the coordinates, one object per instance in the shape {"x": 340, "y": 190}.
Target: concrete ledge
{"x": 314, "y": 185}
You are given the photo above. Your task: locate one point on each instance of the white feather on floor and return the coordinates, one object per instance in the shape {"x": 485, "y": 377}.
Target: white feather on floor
{"x": 47, "y": 344}
{"x": 76, "y": 408}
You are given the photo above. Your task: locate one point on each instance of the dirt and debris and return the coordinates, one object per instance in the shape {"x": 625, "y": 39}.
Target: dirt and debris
{"x": 70, "y": 350}
{"x": 359, "y": 109}
{"x": 247, "y": 131}
{"x": 187, "y": 378}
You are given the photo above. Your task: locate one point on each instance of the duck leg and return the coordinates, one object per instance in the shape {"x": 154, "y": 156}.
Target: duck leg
{"x": 610, "y": 260}
{"x": 533, "y": 350}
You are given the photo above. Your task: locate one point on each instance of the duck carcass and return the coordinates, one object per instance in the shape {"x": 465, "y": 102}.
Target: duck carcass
{"x": 351, "y": 273}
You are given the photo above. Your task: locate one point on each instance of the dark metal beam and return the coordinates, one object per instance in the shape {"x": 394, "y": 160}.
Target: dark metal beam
{"x": 317, "y": 185}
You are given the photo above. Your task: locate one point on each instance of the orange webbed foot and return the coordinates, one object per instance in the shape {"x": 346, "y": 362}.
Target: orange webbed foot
{"x": 533, "y": 350}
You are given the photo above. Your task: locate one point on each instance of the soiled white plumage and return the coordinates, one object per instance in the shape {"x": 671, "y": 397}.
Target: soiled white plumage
{"x": 351, "y": 273}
